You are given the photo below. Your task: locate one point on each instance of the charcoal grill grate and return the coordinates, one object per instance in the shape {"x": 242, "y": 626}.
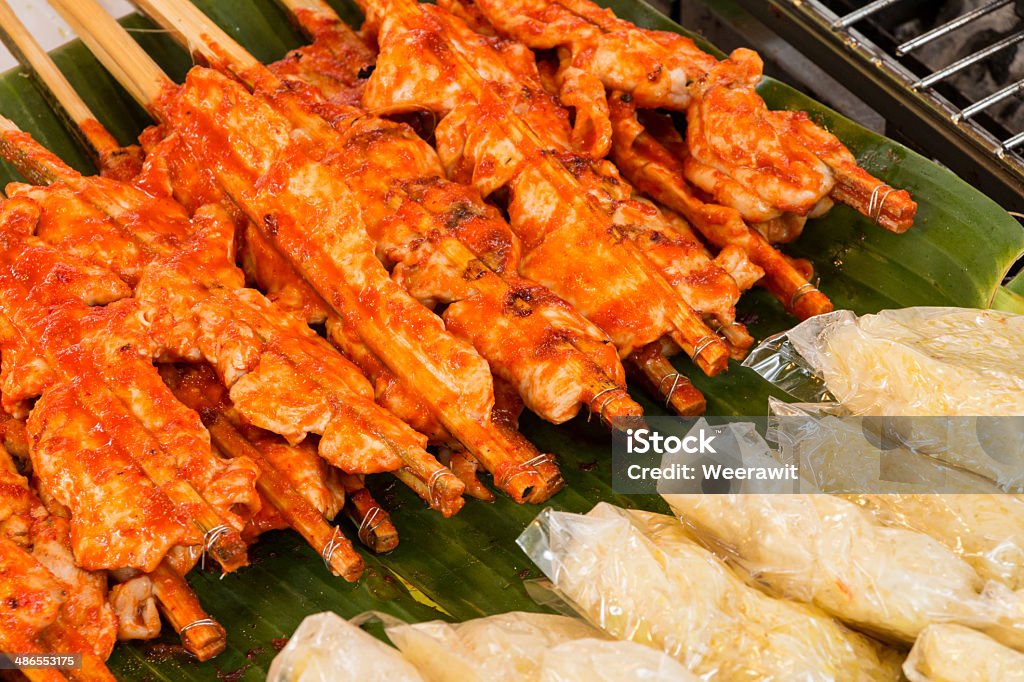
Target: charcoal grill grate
{"x": 1006, "y": 148}
{"x": 853, "y": 42}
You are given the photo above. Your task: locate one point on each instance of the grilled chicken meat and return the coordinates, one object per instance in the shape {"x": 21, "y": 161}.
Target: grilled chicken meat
{"x": 571, "y": 243}
{"x": 279, "y": 187}
{"x": 49, "y": 603}
{"x": 656, "y": 67}
{"x": 770, "y": 166}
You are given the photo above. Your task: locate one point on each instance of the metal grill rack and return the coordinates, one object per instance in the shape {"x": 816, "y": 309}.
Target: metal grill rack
{"x": 913, "y": 98}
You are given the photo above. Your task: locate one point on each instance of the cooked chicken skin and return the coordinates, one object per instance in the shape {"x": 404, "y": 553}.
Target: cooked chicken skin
{"x": 428, "y": 59}
{"x": 657, "y": 70}
{"x": 84, "y": 616}
{"x": 280, "y": 187}
{"x": 767, "y": 165}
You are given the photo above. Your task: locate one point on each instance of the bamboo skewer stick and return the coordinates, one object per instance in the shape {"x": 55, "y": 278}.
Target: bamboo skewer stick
{"x": 196, "y": 32}
{"x": 464, "y": 466}
{"x": 201, "y": 635}
{"x": 530, "y": 478}
{"x": 144, "y": 80}
{"x": 376, "y": 530}
{"x": 107, "y": 151}
{"x": 223, "y": 542}
{"x": 665, "y": 380}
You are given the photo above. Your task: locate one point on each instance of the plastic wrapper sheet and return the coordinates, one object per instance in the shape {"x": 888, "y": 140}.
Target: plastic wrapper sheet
{"x": 642, "y": 577}
{"x": 986, "y": 530}
{"x": 828, "y": 551}
{"x": 840, "y": 454}
{"x": 912, "y": 361}
{"x": 529, "y": 647}
{"x": 952, "y": 653}
{"x": 326, "y": 648}
{"x": 916, "y": 362}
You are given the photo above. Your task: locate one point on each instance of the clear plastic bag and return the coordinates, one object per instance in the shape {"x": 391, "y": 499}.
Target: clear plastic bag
{"x": 328, "y": 648}
{"x": 987, "y": 531}
{"x": 840, "y": 454}
{"x": 952, "y": 653}
{"x": 599, "y": 660}
{"x": 828, "y": 551}
{"x": 642, "y": 577}
{"x": 911, "y": 364}
{"x": 505, "y": 646}
{"x": 912, "y": 361}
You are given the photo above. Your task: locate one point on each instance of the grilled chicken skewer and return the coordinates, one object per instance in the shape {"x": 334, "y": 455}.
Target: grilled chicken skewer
{"x": 200, "y": 390}
{"x": 203, "y": 637}
{"x": 765, "y": 164}
{"x": 443, "y": 243}
{"x": 49, "y": 605}
{"x": 398, "y": 330}
{"x": 285, "y": 351}
{"x": 646, "y": 158}
{"x": 536, "y": 176}
{"x": 337, "y": 52}
{"x": 107, "y": 154}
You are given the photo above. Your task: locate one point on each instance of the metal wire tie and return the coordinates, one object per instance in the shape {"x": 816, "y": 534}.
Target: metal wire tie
{"x": 703, "y": 344}
{"x": 675, "y": 384}
{"x": 367, "y": 525}
{"x": 435, "y": 498}
{"x": 523, "y": 468}
{"x": 800, "y": 292}
{"x": 197, "y": 624}
{"x": 875, "y": 204}
{"x": 210, "y": 538}
{"x": 600, "y": 411}
{"x": 327, "y": 553}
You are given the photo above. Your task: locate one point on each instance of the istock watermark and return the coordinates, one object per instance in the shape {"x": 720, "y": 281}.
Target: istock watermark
{"x": 808, "y": 453}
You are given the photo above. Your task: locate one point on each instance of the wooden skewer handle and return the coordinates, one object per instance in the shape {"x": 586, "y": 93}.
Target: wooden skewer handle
{"x": 31, "y": 54}
{"x": 660, "y": 377}
{"x": 114, "y": 47}
{"x": 343, "y": 560}
{"x": 201, "y": 635}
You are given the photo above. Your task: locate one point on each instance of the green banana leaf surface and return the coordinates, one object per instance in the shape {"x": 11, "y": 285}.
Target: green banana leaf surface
{"x": 957, "y": 254}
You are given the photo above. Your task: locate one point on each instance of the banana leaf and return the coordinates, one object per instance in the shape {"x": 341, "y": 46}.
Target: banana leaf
{"x": 957, "y": 254}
